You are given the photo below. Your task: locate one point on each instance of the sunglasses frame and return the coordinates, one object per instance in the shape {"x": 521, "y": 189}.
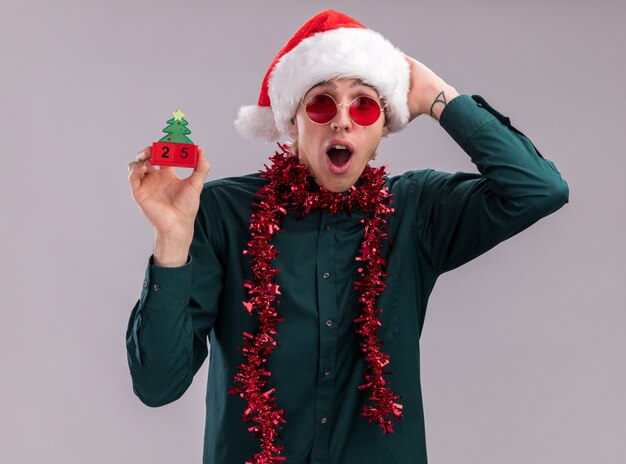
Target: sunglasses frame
{"x": 380, "y": 107}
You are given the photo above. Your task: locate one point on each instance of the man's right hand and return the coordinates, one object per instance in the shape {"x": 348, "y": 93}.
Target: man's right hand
{"x": 169, "y": 203}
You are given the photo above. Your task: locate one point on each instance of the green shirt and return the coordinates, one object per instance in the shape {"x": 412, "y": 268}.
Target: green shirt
{"x": 441, "y": 221}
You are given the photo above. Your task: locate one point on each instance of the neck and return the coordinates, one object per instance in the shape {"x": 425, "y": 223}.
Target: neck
{"x": 298, "y": 189}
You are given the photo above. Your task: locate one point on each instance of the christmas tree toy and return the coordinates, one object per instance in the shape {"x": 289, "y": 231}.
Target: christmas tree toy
{"x": 175, "y": 149}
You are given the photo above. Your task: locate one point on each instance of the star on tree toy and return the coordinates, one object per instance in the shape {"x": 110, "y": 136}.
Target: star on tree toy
{"x": 175, "y": 149}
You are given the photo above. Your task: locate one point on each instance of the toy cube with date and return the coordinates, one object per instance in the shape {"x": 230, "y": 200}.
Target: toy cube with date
{"x": 182, "y": 155}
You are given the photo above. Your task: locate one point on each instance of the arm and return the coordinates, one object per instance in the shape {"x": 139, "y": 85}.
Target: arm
{"x": 167, "y": 330}
{"x": 462, "y": 215}
{"x": 166, "y": 339}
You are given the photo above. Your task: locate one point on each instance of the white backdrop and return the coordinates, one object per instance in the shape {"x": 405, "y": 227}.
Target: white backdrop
{"x": 524, "y": 351}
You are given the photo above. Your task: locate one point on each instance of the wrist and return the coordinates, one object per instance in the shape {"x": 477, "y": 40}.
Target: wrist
{"x": 438, "y": 98}
{"x": 172, "y": 249}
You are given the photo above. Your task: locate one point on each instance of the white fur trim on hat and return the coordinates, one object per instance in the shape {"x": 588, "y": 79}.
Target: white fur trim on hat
{"x": 257, "y": 122}
{"x": 340, "y": 53}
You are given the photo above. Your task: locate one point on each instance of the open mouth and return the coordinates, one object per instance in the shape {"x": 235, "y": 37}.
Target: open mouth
{"x": 339, "y": 155}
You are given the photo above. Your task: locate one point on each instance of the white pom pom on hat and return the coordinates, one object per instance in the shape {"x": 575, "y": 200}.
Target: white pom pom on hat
{"x": 330, "y": 45}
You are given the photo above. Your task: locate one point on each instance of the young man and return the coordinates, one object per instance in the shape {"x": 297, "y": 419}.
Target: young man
{"x": 311, "y": 280}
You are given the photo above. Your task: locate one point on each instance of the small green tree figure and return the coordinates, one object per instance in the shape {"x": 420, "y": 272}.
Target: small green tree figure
{"x": 177, "y": 129}
{"x": 175, "y": 149}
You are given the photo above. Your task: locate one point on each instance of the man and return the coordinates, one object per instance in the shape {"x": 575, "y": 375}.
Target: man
{"x": 311, "y": 280}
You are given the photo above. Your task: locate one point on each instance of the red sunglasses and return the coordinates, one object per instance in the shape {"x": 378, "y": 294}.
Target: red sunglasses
{"x": 321, "y": 109}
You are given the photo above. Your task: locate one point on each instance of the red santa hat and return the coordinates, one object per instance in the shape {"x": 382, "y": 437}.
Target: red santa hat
{"x": 330, "y": 45}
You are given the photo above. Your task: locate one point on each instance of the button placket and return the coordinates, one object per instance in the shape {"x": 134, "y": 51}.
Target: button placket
{"x": 328, "y": 316}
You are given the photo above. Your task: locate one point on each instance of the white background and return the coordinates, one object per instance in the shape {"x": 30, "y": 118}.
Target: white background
{"x": 523, "y": 351}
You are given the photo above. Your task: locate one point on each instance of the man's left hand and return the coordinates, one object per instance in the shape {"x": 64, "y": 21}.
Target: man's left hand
{"x": 428, "y": 93}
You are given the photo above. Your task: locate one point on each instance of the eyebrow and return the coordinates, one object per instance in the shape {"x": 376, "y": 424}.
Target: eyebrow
{"x": 358, "y": 82}
{"x": 333, "y": 86}
{"x": 325, "y": 84}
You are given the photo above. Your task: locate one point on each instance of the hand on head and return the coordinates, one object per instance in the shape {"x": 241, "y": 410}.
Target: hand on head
{"x": 424, "y": 89}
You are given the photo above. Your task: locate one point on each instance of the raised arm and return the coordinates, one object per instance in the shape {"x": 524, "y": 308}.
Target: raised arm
{"x": 428, "y": 93}
{"x": 460, "y": 216}
{"x": 166, "y": 339}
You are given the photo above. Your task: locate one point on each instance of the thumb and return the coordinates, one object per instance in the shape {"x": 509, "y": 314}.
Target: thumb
{"x": 200, "y": 172}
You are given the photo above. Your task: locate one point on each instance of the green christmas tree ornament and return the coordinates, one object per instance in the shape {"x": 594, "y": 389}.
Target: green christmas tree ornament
{"x": 175, "y": 148}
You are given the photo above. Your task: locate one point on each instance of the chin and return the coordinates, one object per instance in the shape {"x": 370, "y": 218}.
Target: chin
{"x": 338, "y": 187}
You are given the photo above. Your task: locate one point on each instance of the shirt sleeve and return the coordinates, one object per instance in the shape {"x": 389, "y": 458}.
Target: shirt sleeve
{"x": 462, "y": 215}
{"x": 166, "y": 338}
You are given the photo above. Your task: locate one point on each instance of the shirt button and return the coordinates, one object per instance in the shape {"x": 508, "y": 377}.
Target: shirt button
{"x": 323, "y": 420}
{"x": 326, "y": 275}
{"x": 145, "y": 284}
{"x": 328, "y": 226}
{"x": 326, "y": 372}
{"x": 329, "y": 323}
{"x": 156, "y": 287}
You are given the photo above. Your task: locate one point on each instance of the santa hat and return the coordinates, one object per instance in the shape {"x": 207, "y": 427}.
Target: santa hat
{"x": 330, "y": 45}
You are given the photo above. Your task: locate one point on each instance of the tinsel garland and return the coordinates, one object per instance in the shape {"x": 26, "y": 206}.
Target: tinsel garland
{"x": 289, "y": 188}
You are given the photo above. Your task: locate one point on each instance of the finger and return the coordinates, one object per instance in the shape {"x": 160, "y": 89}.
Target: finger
{"x": 199, "y": 174}
{"x": 150, "y": 166}
{"x": 134, "y": 165}
{"x": 165, "y": 169}
{"x": 145, "y": 154}
{"x": 137, "y": 172}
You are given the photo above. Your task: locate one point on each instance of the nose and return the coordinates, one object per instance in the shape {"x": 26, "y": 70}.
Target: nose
{"x": 342, "y": 119}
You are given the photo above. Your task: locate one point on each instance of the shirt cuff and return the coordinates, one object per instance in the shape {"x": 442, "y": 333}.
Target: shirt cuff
{"x": 463, "y": 116}
{"x": 165, "y": 287}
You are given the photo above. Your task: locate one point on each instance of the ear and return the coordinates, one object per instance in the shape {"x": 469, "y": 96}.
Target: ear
{"x": 385, "y": 130}
{"x": 293, "y": 128}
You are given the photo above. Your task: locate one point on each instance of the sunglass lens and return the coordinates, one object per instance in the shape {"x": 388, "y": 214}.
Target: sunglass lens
{"x": 364, "y": 111}
{"x": 321, "y": 108}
